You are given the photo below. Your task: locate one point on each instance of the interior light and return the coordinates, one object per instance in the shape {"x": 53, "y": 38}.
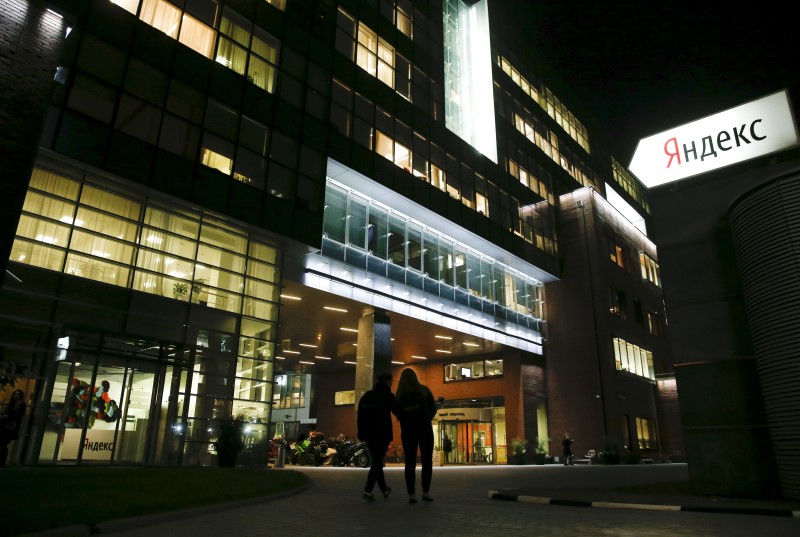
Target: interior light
{"x": 322, "y": 357}
{"x": 348, "y": 329}
{"x": 308, "y": 345}
{"x": 396, "y": 362}
{"x": 443, "y": 337}
{"x": 419, "y": 357}
{"x": 443, "y": 351}
{"x": 330, "y": 308}
{"x": 307, "y": 363}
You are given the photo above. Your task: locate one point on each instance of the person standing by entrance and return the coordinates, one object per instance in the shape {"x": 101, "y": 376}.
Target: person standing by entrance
{"x": 448, "y": 447}
{"x": 416, "y": 408}
{"x": 11, "y": 422}
{"x": 374, "y": 423}
{"x": 566, "y": 443}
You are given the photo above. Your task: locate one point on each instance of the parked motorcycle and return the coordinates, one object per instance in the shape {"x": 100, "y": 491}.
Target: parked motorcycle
{"x": 310, "y": 451}
{"x": 351, "y": 452}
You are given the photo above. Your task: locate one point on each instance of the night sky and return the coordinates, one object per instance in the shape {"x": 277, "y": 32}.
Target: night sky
{"x": 638, "y": 68}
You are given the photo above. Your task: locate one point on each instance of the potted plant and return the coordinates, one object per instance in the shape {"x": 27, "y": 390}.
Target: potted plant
{"x": 518, "y": 449}
{"x": 229, "y": 442}
{"x": 541, "y": 450}
{"x": 179, "y": 290}
{"x": 199, "y": 291}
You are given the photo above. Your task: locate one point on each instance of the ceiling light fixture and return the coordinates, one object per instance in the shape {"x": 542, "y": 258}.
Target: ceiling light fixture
{"x": 350, "y": 362}
{"x": 443, "y": 337}
{"x": 322, "y": 357}
{"x": 291, "y": 297}
{"x": 470, "y": 344}
{"x": 308, "y": 345}
{"x": 349, "y": 329}
{"x": 419, "y": 357}
{"x": 443, "y": 351}
{"x": 291, "y": 352}
{"x": 396, "y": 362}
{"x": 330, "y": 308}
{"x": 307, "y": 363}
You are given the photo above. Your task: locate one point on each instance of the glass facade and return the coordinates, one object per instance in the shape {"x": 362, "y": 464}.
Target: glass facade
{"x": 85, "y": 227}
{"x": 369, "y": 235}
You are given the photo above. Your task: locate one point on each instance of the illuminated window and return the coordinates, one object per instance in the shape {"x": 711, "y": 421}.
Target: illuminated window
{"x": 104, "y": 237}
{"x": 650, "y": 269}
{"x": 197, "y": 36}
{"x": 617, "y": 253}
{"x": 481, "y": 204}
{"x": 476, "y": 370}
{"x": 469, "y": 95}
{"x": 128, "y": 5}
{"x": 654, "y": 323}
{"x": 161, "y": 15}
{"x": 343, "y": 398}
{"x": 633, "y": 359}
{"x": 617, "y": 303}
{"x": 646, "y": 433}
{"x": 373, "y": 54}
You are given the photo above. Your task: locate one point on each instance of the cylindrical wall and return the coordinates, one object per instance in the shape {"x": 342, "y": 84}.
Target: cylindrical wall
{"x": 765, "y": 224}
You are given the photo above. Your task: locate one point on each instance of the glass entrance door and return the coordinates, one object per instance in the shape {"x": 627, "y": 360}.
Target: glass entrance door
{"x": 101, "y": 412}
{"x": 471, "y": 441}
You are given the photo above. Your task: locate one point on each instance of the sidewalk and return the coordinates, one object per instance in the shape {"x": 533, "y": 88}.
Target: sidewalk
{"x": 333, "y": 498}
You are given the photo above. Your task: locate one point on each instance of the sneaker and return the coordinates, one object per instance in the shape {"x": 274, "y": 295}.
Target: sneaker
{"x": 368, "y": 497}
{"x": 426, "y": 498}
{"x": 387, "y": 492}
{"x": 412, "y": 499}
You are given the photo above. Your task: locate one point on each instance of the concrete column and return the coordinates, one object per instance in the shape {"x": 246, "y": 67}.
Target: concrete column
{"x": 374, "y": 351}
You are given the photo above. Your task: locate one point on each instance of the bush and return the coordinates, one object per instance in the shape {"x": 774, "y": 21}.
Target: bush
{"x": 229, "y": 442}
{"x": 609, "y": 455}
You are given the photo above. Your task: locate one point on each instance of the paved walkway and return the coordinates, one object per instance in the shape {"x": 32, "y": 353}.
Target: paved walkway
{"x": 485, "y": 501}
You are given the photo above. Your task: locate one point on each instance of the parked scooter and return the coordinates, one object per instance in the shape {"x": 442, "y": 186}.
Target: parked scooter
{"x": 351, "y": 452}
{"x": 310, "y": 451}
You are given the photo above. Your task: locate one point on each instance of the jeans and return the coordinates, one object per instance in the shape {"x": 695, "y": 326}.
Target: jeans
{"x": 422, "y": 439}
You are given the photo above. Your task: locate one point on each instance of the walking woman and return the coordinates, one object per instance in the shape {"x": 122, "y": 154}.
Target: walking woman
{"x": 416, "y": 408}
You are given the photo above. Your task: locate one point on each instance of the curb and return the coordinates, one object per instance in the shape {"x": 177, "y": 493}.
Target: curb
{"x": 539, "y": 500}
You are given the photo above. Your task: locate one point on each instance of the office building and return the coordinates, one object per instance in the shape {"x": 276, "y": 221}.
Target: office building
{"x": 250, "y": 207}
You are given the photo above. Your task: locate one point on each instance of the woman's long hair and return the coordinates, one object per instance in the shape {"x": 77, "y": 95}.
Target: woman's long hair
{"x": 408, "y": 382}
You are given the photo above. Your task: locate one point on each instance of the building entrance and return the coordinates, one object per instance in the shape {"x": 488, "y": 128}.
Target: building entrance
{"x": 109, "y": 409}
{"x": 476, "y": 433}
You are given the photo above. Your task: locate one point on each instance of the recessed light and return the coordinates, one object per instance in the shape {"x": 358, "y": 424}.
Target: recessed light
{"x": 308, "y": 345}
{"x": 470, "y": 344}
{"x": 330, "y": 308}
{"x": 322, "y": 357}
{"x": 419, "y": 357}
{"x": 396, "y": 362}
{"x": 443, "y": 337}
{"x": 280, "y": 358}
{"x": 350, "y": 362}
{"x": 443, "y": 351}
{"x": 291, "y": 297}
{"x": 349, "y": 329}
{"x": 291, "y": 352}
{"x": 304, "y": 362}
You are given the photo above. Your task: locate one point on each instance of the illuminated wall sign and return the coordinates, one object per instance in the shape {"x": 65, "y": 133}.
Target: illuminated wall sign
{"x": 746, "y": 132}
